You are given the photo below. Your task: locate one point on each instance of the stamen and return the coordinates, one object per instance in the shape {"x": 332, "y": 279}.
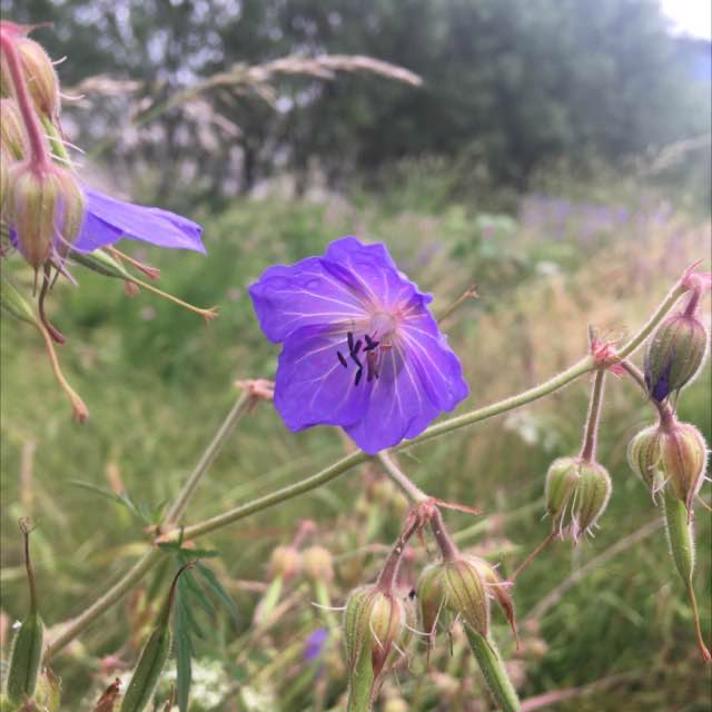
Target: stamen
{"x": 359, "y": 373}
{"x": 342, "y": 360}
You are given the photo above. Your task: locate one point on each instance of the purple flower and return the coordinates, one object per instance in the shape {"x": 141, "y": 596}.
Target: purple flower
{"x": 360, "y": 350}
{"x": 108, "y": 220}
{"x": 314, "y": 645}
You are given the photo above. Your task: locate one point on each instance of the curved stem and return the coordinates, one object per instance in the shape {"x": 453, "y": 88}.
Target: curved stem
{"x": 412, "y": 491}
{"x": 329, "y": 473}
{"x": 664, "y": 410}
{"x": 588, "y": 450}
{"x": 38, "y": 148}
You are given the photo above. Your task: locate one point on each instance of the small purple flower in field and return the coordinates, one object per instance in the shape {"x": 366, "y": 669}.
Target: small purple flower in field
{"x": 108, "y": 220}
{"x": 314, "y": 645}
{"x": 361, "y": 349}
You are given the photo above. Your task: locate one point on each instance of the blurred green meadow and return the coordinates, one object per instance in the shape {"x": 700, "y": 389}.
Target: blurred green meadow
{"x": 609, "y": 617}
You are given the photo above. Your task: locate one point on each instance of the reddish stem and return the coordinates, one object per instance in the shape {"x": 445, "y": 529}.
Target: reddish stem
{"x": 39, "y": 154}
{"x": 387, "y": 578}
{"x": 447, "y": 546}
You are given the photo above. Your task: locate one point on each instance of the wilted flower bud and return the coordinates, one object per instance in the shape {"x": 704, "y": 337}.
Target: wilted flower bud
{"x": 430, "y": 594}
{"x": 577, "y": 492}
{"x": 12, "y": 133}
{"x": 644, "y": 458}
{"x": 46, "y": 208}
{"x": 373, "y": 622}
{"x": 317, "y": 563}
{"x": 285, "y": 562}
{"x": 674, "y": 355}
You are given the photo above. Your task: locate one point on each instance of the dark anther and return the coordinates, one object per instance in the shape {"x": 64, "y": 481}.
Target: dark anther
{"x": 342, "y": 360}
{"x": 356, "y": 348}
{"x": 370, "y": 343}
{"x": 359, "y": 373}
{"x": 411, "y": 594}
{"x": 350, "y": 340}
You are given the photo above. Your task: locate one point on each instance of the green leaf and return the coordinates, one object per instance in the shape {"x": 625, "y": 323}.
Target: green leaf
{"x": 183, "y": 623}
{"x": 211, "y": 580}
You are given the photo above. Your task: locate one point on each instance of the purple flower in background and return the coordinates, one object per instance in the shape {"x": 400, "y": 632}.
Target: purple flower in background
{"x": 314, "y": 645}
{"x": 360, "y": 350}
{"x": 108, "y": 220}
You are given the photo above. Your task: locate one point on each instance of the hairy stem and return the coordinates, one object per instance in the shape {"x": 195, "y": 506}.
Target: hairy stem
{"x": 39, "y": 154}
{"x": 126, "y": 583}
{"x": 588, "y": 450}
{"x": 412, "y": 491}
{"x": 664, "y": 410}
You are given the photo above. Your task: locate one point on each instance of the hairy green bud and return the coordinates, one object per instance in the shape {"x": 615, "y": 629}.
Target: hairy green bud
{"x": 430, "y": 594}
{"x": 12, "y": 133}
{"x": 674, "y": 355}
{"x": 644, "y": 458}
{"x": 373, "y": 623}
{"x": 46, "y": 208}
{"x": 683, "y": 457}
{"x": 577, "y": 493}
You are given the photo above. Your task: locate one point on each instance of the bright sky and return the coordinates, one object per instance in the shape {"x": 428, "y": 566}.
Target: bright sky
{"x": 693, "y": 17}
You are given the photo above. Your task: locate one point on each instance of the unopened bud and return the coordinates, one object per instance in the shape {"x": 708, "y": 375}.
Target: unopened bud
{"x": 41, "y": 77}
{"x": 45, "y": 208}
{"x": 12, "y": 133}
{"x": 285, "y": 562}
{"x": 674, "y": 355}
{"x": 373, "y": 623}
{"x": 644, "y": 458}
{"x": 317, "y": 563}
{"x": 456, "y": 588}
{"x": 683, "y": 458}
{"x": 577, "y": 493}
{"x": 498, "y": 588}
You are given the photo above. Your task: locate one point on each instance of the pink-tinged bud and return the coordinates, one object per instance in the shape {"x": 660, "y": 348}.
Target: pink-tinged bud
{"x": 46, "y": 208}
{"x": 40, "y": 76}
{"x": 644, "y": 458}
{"x": 285, "y": 562}
{"x": 577, "y": 493}
{"x": 318, "y": 564}
{"x": 683, "y": 458}
{"x": 373, "y": 623}
{"x": 12, "y": 133}
{"x": 674, "y": 355}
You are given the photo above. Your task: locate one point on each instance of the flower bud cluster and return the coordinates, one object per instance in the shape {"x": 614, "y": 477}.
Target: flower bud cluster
{"x": 670, "y": 455}
{"x": 39, "y": 193}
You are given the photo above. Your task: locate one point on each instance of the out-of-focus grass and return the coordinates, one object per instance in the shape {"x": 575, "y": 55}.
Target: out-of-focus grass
{"x": 158, "y": 382}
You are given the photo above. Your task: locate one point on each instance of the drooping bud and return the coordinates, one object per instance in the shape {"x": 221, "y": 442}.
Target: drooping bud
{"x": 644, "y": 458}
{"x": 12, "y": 133}
{"x": 430, "y": 594}
{"x": 46, "y": 208}
{"x": 683, "y": 459}
{"x": 465, "y": 594}
{"x": 40, "y": 77}
{"x": 26, "y": 655}
{"x": 373, "y": 623}
{"x": 675, "y": 354}
{"x": 577, "y": 493}
{"x": 153, "y": 656}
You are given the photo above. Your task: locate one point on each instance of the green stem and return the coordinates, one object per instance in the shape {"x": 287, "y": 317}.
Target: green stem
{"x": 241, "y": 406}
{"x": 75, "y": 627}
{"x": 412, "y": 491}
{"x": 588, "y": 450}
{"x": 495, "y": 675}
